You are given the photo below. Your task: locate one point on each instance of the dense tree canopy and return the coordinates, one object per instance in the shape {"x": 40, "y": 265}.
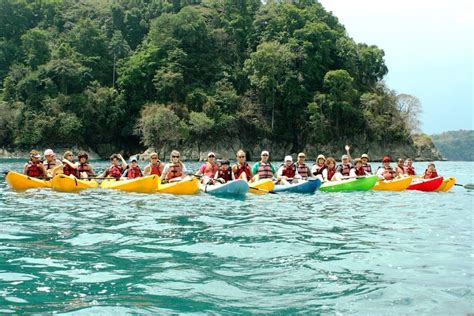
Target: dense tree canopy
{"x": 160, "y": 72}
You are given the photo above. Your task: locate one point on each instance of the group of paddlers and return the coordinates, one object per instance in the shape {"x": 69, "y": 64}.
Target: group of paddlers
{"x": 213, "y": 171}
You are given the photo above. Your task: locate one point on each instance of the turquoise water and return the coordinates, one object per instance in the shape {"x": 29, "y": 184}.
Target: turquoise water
{"x": 334, "y": 253}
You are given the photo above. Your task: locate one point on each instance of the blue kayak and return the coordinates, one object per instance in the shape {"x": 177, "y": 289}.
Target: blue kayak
{"x": 309, "y": 186}
{"x": 231, "y": 188}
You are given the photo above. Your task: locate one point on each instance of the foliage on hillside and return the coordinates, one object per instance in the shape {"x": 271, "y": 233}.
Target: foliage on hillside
{"x": 119, "y": 72}
{"x": 456, "y": 145}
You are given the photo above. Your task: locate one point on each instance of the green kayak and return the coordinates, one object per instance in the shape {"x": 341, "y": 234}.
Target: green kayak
{"x": 357, "y": 184}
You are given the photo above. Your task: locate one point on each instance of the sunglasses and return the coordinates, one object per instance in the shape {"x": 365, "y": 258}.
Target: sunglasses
{"x": 154, "y": 157}
{"x": 301, "y": 156}
{"x": 264, "y": 155}
{"x": 211, "y": 156}
{"x": 174, "y": 156}
{"x": 240, "y": 156}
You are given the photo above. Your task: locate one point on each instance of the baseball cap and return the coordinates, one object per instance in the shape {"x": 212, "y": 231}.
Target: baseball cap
{"x": 365, "y": 156}
{"x": 35, "y": 154}
{"x": 288, "y": 158}
{"x": 386, "y": 159}
{"x": 211, "y": 154}
{"x": 344, "y": 157}
{"x": 264, "y": 152}
{"x": 132, "y": 159}
{"x": 49, "y": 152}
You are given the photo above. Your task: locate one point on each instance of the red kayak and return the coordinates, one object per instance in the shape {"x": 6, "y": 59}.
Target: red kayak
{"x": 426, "y": 185}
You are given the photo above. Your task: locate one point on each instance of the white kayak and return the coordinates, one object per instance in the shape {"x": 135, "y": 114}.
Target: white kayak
{"x": 231, "y": 188}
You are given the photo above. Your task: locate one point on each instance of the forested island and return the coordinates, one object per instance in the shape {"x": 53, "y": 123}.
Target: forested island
{"x": 456, "y": 145}
{"x": 125, "y": 75}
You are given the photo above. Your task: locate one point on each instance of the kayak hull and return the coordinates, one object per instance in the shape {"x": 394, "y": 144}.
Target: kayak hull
{"x": 393, "y": 185}
{"x": 261, "y": 186}
{"x": 63, "y": 183}
{"x": 183, "y": 187}
{"x": 146, "y": 184}
{"x": 426, "y": 185}
{"x": 231, "y": 188}
{"x": 447, "y": 184}
{"x": 357, "y": 184}
{"x": 308, "y": 187}
{"x": 21, "y": 182}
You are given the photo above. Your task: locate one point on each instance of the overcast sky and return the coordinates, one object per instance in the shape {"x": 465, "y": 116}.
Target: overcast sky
{"x": 428, "y": 50}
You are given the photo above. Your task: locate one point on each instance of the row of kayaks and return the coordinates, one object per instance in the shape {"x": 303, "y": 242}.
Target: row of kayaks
{"x": 191, "y": 185}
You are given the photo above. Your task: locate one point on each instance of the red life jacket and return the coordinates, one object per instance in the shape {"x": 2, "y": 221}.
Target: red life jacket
{"x": 331, "y": 173}
{"x": 430, "y": 174}
{"x": 359, "y": 172}
{"x": 174, "y": 171}
{"x": 367, "y": 168}
{"x": 68, "y": 170}
{"x": 85, "y": 167}
{"x": 134, "y": 172}
{"x": 264, "y": 171}
{"x": 289, "y": 171}
{"x": 33, "y": 170}
{"x": 155, "y": 169}
{"x": 319, "y": 169}
{"x": 345, "y": 169}
{"x": 241, "y": 169}
{"x": 303, "y": 171}
{"x": 115, "y": 171}
{"x": 410, "y": 171}
{"x": 226, "y": 175}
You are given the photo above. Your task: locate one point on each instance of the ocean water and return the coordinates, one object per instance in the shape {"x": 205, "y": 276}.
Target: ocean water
{"x": 108, "y": 252}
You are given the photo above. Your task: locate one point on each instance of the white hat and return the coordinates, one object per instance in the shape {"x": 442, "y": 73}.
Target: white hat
{"x": 211, "y": 154}
{"x": 264, "y": 152}
{"x": 133, "y": 158}
{"x": 365, "y": 156}
{"x": 288, "y": 158}
{"x": 320, "y": 157}
{"x": 49, "y": 152}
{"x": 344, "y": 157}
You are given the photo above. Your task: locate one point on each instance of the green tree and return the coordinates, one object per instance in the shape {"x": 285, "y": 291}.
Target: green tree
{"x": 35, "y": 47}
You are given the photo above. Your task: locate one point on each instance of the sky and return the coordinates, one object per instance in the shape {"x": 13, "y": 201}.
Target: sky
{"x": 428, "y": 49}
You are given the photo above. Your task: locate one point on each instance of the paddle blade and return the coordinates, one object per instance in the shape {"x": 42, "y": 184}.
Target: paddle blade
{"x": 469, "y": 186}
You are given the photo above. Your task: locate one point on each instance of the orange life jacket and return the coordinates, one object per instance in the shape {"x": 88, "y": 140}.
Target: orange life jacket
{"x": 264, "y": 170}
{"x": 174, "y": 171}
{"x": 134, "y": 172}
{"x": 33, "y": 170}
{"x": 430, "y": 174}
{"x": 155, "y": 168}
{"x": 303, "y": 171}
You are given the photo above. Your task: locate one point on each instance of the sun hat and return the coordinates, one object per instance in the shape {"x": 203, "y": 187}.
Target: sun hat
{"x": 288, "y": 158}
{"x": 364, "y": 156}
{"x": 49, "y": 152}
{"x": 320, "y": 157}
{"x": 344, "y": 157}
{"x": 35, "y": 154}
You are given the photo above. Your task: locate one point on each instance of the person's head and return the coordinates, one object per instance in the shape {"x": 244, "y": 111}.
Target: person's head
{"x": 331, "y": 162}
{"x": 35, "y": 156}
{"x": 83, "y": 157}
{"x": 345, "y": 159}
{"x": 320, "y": 160}
{"x": 154, "y": 158}
{"x": 358, "y": 163}
{"x": 133, "y": 161}
{"x": 408, "y": 162}
{"x": 431, "y": 166}
{"x": 49, "y": 154}
{"x": 264, "y": 156}
{"x": 211, "y": 157}
{"x": 301, "y": 157}
{"x": 364, "y": 158}
{"x": 241, "y": 156}
{"x": 288, "y": 160}
{"x": 400, "y": 162}
{"x": 224, "y": 165}
{"x": 114, "y": 159}
{"x": 386, "y": 161}
{"x": 174, "y": 156}
{"x": 68, "y": 155}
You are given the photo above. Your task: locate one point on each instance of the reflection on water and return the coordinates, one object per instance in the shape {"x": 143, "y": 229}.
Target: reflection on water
{"x": 103, "y": 251}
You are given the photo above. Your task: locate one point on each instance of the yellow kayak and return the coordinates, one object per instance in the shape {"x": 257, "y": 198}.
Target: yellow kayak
{"x": 63, "y": 183}
{"x": 21, "y": 182}
{"x": 393, "y": 185}
{"x": 261, "y": 186}
{"x": 447, "y": 184}
{"x": 146, "y": 184}
{"x": 186, "y": 186}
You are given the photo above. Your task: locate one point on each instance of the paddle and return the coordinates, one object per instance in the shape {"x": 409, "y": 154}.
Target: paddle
{"x": 468, "y": 186}
{"x": 263, "y": 190}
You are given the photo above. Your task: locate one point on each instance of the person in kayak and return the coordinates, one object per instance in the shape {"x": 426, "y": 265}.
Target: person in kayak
{"x": 154, "y": 167}
{"x": 358, "y": 169}
{"x": 209, "y": 169}
{"x": 319, "y": 166}
{"x": 386, "y": 172}
{"x": 409, "y": 169}
{"x": 241, "y": 169}
{"x": 430, "y": 172}
{"x": 302, "y": 168}
{"x": 344, "y": 169}
{"x": 115, "y": 170}
{"x": 400, "y": 169}
{"x": 288, "y": 172}
{"x": 330, "y": 171}
{"x": 263, "y": 169}
{"x": 84, "y": 168}
{"x": 174, "y": 170}
{"x": 34, "y": 167}
{"x": 365, "y": 164}
{"x": 224, "y": 174}
{"x": 133, "y": 170}
{"x": 69, "y": 166}
{"x": 52, "y": 164}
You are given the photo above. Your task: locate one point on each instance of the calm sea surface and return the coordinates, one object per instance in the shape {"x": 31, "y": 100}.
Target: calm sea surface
{"x": 107, "y": 252}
